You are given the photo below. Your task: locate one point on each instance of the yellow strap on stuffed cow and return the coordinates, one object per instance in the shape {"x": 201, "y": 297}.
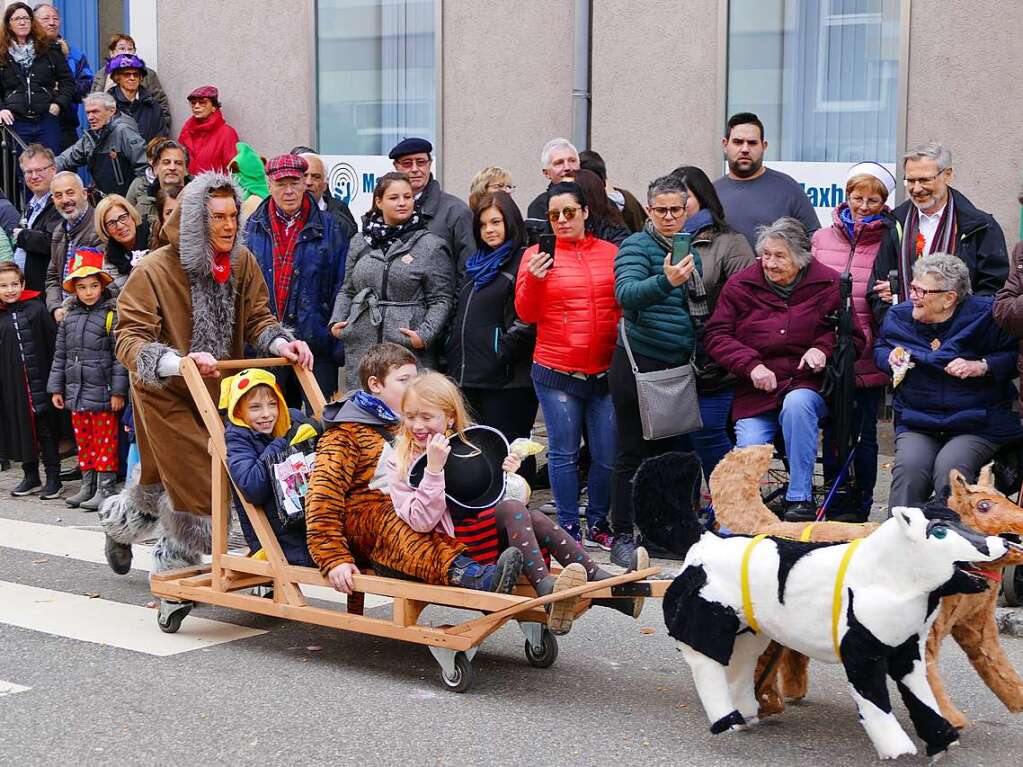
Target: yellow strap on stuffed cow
{"x": 747, "y": 602}
{"x": 807, "y": 532}
{"x": 836, "y": 602}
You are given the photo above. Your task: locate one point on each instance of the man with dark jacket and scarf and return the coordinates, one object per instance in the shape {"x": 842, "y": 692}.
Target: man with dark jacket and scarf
{"x": 301, "y": 252}
{"x": 33, "y": 236}
{"x": 202, "y": 296}
{"x": 77, "y": 229}
{"x": 112, "y": 149}
{"x": 927, "y": 224}
{"x": 444, "y": 214}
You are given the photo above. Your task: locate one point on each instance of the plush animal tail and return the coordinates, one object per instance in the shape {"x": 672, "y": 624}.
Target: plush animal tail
{"x": 666, "y": 498}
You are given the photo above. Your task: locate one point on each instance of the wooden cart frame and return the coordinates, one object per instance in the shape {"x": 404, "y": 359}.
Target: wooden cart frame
{"x": 227, "y": 581}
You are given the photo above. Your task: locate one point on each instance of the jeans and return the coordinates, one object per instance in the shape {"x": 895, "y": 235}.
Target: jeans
{"x": 712, "y": 442}
{"x": 864, "y": 462}
{"x": 800, "y": 415}
{"x": 45, "y": 131}
{"x": 923, "y": 461}
{"x": 566, "y": 416}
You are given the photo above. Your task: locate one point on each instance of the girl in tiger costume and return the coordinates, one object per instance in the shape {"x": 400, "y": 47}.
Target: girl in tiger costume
{"x": 350, "y": 520}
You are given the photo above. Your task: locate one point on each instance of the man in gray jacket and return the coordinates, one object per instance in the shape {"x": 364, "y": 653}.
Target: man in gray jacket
{"x": 76, "y": 230}
{"x": 445, "y": 215}
{"x": 112, "y": 149}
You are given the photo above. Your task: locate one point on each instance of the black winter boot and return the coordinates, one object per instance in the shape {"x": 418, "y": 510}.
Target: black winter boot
{"x": 104, "y": 489}
{"x": 53, "y": 487}
{"x": 85, "y": 492}
{"x": 31, "y": 482}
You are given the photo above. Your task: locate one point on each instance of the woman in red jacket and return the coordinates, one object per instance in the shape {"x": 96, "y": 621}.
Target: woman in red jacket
{"x": 210, "y": 141}
{"x": 569, "y": 296}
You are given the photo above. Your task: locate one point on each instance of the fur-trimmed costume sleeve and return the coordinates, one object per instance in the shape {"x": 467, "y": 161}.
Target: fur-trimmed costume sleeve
{"x": 137, "y": 345}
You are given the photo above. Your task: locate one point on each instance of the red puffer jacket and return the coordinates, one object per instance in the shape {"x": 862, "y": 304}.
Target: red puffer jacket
{"x": 211, "y": 144}
{"x": 831, "y": 247}
{"x": 573, "y": 307}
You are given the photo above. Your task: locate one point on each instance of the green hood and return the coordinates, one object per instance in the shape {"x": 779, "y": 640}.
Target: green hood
{"x": 251, "y": 176}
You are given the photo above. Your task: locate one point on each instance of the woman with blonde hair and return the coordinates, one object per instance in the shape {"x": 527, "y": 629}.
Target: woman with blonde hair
{"x": 489, "y": 180}
{"x": 432, "y": 412}
{"x": 123, "y": 232}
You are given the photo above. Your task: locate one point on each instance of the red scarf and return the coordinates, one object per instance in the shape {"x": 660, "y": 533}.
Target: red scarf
{"x": 284, "y": 239}
{"x": 221, "y": 266}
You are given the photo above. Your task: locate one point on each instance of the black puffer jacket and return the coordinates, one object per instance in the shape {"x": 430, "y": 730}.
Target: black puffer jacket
{"x": 489, "y": 346}
{"x": 48, "y": 81}
{"x": 85, "y": 370}
{"x": 146, "y": 111}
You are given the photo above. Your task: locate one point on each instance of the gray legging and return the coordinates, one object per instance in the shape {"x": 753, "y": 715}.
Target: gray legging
{"x": 923, "y": 461}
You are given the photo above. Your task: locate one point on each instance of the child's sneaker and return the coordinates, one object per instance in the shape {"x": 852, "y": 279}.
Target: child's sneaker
{"x": 561, "y": 614}
{"x": 501, "y": 578}
{"x": 52, "y": 489}
{"x": 596, "y": 538}
{"x": 29, "y": 484}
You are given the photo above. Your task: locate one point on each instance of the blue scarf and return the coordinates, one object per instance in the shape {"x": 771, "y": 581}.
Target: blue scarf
{"x": 845, "y": 214}
{"x": 483, "y": 265}
{"x": 699, "y": 222}
{"x": 374, "y": 406}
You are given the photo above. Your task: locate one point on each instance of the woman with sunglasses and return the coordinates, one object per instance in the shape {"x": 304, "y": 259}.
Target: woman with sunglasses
{"x": 953, "y": 369}
{"x": 124, "y": 233}
{"x": 569, "y": 296}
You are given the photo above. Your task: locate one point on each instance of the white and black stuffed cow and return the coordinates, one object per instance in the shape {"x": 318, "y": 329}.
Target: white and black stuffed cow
{"x": 869, "y": 609}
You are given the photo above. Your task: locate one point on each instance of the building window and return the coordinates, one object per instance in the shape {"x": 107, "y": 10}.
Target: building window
{"x": 376, "y": 74}
{"x": 821, "y": 74}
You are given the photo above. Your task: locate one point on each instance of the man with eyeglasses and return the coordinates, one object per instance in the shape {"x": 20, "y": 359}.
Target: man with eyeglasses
{"x": 49, "y": 19}
{"x": 936, "y": 219}
{"x": 445, "y": 215}
{"x": 33, "y": 234}
{"x": 752, "y": 194}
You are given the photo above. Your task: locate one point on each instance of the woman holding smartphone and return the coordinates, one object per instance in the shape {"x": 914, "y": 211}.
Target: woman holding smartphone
{"x": 569, "y": 295}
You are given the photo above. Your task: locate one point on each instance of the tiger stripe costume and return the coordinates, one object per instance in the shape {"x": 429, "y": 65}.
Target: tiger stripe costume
{"x": 350, "y": 518}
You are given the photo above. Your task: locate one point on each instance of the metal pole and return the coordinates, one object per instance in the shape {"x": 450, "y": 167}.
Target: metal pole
{"x": 581, "y": 74}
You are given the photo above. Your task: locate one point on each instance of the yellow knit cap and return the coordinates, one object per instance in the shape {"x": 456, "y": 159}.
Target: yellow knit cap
{"x": 233, "y": 388}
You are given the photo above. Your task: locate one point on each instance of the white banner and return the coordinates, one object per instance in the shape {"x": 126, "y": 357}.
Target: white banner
{"x": 824, "y": 183}
{"x": 351, "y": 178}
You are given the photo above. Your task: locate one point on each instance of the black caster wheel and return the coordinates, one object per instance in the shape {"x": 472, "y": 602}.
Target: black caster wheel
{"x": 548, "y": 651}
{"x": 1012, "y": 586}
{"x": 169, "y": 620}
{"x": 462, "y": 678}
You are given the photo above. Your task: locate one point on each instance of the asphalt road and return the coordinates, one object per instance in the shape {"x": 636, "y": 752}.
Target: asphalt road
{"x": 618, "y": 694}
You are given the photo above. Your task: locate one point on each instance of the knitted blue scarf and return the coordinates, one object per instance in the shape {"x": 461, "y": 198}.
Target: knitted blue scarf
{"x": 845, "y": 214}
{"x": 374, "y": 406}
{"x": 483, "y": 265}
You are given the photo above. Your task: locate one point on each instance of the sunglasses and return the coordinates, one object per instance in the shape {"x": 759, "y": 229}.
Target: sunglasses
{"x": 555, "y": 215}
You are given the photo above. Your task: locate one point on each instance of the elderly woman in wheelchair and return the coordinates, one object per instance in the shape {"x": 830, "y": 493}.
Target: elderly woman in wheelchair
{"x": 773, "y": 329}
{"x": 953, "y": 369}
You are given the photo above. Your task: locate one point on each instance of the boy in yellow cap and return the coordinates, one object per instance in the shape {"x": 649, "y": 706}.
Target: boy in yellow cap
{"x": 259, "y": 431}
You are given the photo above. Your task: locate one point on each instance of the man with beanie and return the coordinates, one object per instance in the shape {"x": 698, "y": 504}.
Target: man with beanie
{"x": 445, "y": 215}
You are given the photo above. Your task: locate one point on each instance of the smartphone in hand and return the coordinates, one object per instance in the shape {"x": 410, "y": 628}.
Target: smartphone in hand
{"x": 893, "y": 283}
{"x": 681, "y": 244}
{"x": 547, "y": 244}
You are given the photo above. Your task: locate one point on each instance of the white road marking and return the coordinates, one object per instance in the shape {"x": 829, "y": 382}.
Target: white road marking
{"x": 10, "y": 688}
{"x": 87, "y": 546}
{"x": 101, "y": 621}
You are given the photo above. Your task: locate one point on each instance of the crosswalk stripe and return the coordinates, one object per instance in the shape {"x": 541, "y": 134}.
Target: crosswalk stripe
{"x": 87, "y": 546}
{"x": 104, "y": 622}
{"x": 10, "y": 688}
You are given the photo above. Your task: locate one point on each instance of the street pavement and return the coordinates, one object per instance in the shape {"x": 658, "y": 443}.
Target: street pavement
{"x": 87, "y": 678}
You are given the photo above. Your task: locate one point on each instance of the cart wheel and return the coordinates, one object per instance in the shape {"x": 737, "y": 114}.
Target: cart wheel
{"x": 461, "y": 679}
{"x": 1012, "y": 586}
{"x": 548, "y": 650}
{"x": 170, "y": 622}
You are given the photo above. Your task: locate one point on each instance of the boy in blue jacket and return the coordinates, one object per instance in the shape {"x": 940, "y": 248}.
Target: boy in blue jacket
{"x": 259, "y": 429}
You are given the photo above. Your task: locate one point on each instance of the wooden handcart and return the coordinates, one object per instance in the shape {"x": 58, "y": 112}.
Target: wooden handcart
{"x": 229, "y": 579}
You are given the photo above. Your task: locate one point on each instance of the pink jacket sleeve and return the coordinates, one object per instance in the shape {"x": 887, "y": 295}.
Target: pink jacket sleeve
{"x": 423, "y": 508}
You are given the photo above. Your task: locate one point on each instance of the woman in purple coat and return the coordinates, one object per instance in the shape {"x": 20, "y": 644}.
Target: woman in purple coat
{"x": 771, "y": 329}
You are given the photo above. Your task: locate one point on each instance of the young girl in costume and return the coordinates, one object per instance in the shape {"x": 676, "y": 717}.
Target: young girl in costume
{"x": 433, "y": 409}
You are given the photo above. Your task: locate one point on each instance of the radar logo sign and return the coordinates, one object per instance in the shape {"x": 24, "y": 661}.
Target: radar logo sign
{"x": 343, "y": 182}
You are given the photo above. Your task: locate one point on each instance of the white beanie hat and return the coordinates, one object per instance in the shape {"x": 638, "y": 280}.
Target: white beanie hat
{"x": 875, "y": 169}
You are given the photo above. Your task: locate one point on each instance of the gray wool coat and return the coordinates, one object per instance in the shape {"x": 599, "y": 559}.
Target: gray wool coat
{"x": 84, "y": 368}
{"x": 412, "y": 286}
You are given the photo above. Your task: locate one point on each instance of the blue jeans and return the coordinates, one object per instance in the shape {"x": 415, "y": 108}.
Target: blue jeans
{"x": 800, "y": 415}
{"x": 565, "y": 416}
{"x": 45, "y": 131}
{"x": 712, "y": 441}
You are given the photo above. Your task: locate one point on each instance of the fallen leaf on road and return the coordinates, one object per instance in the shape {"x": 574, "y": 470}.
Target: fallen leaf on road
{"x": 647, "y": 630}
{"x": 92, "y": 594}
{"x": 40, "y": 561}
{"x": 152, "y": 605}
{"x": 314, "y": 648}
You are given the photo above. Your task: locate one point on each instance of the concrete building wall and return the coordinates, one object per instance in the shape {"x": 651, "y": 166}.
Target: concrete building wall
{"x": 965, "y": 90}
{"x": 656, "y": 101}
{"x": 507, "y": 89}
{"x": 262, "y": 57}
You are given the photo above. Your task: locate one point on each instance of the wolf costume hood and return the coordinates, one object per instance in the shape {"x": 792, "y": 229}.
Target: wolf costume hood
{"x": 171, "y": 306}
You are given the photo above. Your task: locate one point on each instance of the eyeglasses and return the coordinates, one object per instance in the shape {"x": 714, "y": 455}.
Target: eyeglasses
{"x": 121, "y": 220}
{"x": 856, "y": 200}
{"x": 555, "y": 215}
{"x": 918, "y": 292}
{"x": 131, "y": 75}
{"x": 409, "y": 164}
{"x": 36, "y": 171}
{"x": 509, "y": 188}
{"x": 924, "y": 180}
{"x": 21, "y": 18}
{"x": 675, "y": 211}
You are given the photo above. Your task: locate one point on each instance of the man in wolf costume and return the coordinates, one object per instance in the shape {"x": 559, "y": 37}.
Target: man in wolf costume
{"x": 201, "y": 295}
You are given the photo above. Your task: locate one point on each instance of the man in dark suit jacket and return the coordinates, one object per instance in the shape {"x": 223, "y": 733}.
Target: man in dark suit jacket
{"x": 32, "y": 233}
